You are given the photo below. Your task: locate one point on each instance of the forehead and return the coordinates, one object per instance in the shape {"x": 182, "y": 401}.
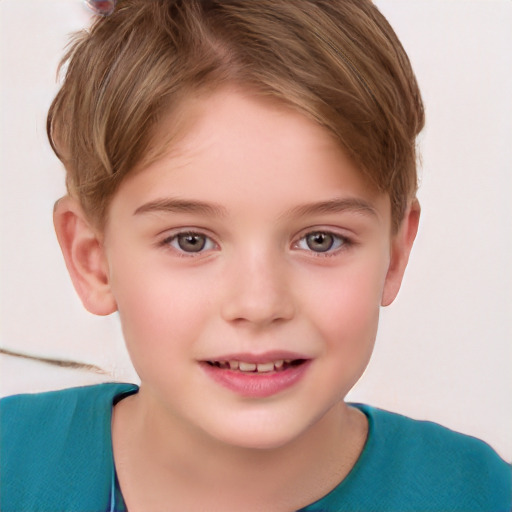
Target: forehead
{"x": 240, "y": 149}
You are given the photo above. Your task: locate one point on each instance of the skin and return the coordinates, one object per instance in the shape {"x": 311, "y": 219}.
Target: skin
{"x": 251, "y": 180}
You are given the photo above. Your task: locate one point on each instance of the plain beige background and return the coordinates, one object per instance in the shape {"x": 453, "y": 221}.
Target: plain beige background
{"x": 444, "y": 348}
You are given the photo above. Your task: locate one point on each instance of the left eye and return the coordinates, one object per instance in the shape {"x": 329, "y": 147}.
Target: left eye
{"x": 321, "y": 241}
{"x": 190, "y": 242}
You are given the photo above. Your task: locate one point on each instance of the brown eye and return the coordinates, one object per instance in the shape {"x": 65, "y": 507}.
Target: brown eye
{"x": 321, "y": 242}
{"x": 191, "y": 242}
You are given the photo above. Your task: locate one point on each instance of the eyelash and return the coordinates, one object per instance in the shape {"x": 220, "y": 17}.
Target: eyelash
{"x": 341, "y": 243}
{"x": 168, "y": 243}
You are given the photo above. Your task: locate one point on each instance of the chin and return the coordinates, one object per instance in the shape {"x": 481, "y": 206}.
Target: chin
{"x": 260, "y": 431}
{"x": 257, "y": 439}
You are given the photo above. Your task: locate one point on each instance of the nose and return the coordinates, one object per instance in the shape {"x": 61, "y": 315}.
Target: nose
{"x": 258, "y": 291}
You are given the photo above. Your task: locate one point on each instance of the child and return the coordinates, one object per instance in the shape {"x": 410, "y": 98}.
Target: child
{"x": 242, "y": 182}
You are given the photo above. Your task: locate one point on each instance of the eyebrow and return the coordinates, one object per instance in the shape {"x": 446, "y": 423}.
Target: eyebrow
{"x": 336, "y": 205}
{"x": 187, "y": 206}
{"x": 181, "y": 206}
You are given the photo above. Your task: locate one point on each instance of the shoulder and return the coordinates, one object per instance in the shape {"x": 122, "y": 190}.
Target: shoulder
{"x": 452, "y": 470}
{"x": 416, "y": 465}
{"x": 429, "y": 440}
{"x": 56, "y": 444}
{"x": 29, "y": 404}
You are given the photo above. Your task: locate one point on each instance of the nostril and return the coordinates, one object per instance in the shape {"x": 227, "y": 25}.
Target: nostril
{"x": 258, "y": 308}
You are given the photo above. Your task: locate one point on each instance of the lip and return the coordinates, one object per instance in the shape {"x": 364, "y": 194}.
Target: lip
{"x": 254, "y": 384}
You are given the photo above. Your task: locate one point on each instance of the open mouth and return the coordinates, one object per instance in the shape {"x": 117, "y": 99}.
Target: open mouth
{"x": 257, "y": 377}
{"x": 267, "y": 367}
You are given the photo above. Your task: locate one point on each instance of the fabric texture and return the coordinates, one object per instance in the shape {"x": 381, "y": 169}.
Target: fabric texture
{"x": 56, "y": 455}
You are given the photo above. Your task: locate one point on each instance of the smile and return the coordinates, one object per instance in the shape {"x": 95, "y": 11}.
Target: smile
{"x": 257, "y": 378}
{"x": 246, "y": 367}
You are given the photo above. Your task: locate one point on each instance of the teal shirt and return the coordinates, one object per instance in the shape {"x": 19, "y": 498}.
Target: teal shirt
{"x": 56, "y": 456}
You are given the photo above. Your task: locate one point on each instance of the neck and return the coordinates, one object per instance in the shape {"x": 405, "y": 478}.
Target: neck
{"x": 157, "y": 456}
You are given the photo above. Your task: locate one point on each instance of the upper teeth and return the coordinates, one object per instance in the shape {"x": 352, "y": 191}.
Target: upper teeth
{"x": 244, "y": 366}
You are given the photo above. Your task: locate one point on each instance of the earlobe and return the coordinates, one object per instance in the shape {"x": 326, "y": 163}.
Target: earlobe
{"x": 84, "y": 256}
{"x": 401, "y": 246}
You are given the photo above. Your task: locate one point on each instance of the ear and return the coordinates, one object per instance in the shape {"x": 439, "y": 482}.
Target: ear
{"x": 84, "y": 255}
{"x": 401, "y": 245}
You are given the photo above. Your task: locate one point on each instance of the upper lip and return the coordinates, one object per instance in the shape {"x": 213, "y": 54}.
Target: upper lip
{"x": 264, "y": 357}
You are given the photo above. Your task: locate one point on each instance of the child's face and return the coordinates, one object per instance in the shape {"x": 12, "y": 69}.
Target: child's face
{"x": 255, "y": 241}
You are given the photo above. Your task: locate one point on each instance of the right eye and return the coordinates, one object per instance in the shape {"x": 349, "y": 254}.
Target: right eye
{"x": 190, "y": 242}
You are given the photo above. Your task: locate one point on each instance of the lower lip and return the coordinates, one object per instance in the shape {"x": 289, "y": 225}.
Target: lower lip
{"x": 257, "y": 385}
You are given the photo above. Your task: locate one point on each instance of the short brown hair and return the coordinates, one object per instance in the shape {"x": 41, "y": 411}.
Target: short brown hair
{"x": 337, "y": 61}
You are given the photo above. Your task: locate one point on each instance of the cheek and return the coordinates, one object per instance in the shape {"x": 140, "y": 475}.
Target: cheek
{"x": 349, "y": 327}
{"x": 157, "y": 308}
{"x": 347, "y": 307}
